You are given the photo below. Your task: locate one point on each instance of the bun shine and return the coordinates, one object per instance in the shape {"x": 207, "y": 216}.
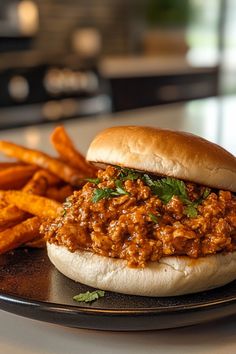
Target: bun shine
{"x": 165, "y": 152}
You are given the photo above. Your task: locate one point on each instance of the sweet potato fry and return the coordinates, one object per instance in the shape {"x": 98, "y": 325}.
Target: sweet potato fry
{"x": 33, "y": 204}
{"x": 36, "y": 185}
{"x": 15, "y": 177}
{"x": 59, "y": 194}
{"x": 68, "y": 153}
{"x": 35, "y": 157}
{"x": 45, "y": 182}
{"x": 4, "y": 165}
{"x": 11, "y": 215}
{"x": 19, "y": 234}
{"x": 3, "y": 204}
{"x": 52, "y": 179}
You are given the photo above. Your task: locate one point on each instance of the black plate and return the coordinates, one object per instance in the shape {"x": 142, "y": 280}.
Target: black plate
{"x": 30, "y": 286}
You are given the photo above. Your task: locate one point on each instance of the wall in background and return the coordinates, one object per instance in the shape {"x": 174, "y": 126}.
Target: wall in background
{"x": 58, "y": 20}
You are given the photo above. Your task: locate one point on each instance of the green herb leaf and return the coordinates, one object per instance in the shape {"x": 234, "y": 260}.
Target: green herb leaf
{"x": 166, "y": 188}
{"x": 147, "y": 179}
{"x": 106, "y": 193}
{"x": 153, "y": 217}
{"x": 206, "y": 192}
{"x": 128, "y": 174}
{"x": 119, "y": 188}
{"x": 191, "y": 210}
{"x": 100, "y": 193}
{"x": 93, "y": 180}
{"x": 89, "y": 296}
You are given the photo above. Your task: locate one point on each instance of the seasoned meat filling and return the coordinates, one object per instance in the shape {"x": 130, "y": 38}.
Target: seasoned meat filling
{"x": 129, "y": 215}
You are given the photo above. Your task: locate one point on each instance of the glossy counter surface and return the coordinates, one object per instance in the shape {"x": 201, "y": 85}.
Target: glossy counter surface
{"x": 213, "y": 119}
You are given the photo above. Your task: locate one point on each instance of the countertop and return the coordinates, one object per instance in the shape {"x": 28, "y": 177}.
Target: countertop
{"x": 138, "y": 66}
{"x": 213, "y": 119}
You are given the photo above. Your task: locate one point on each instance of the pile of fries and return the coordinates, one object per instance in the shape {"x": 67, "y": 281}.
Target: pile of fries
{"x": 33, "y": 188}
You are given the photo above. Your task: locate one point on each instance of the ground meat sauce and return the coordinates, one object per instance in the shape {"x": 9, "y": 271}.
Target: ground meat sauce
{"x": 139, "y": 227}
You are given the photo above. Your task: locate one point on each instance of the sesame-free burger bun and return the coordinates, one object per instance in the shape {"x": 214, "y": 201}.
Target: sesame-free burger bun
{"x": 165, "y": 152}
{"x": 169, "y": 277}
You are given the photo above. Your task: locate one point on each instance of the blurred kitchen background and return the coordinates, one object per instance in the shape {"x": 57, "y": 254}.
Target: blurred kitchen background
{"x": 61, "y": 59}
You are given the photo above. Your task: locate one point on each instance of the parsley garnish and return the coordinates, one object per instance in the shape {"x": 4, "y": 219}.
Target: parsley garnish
{"x": 206, "y": 192}
{"x": 100, "y": 193}
{"x": 89, "y": 296}
{"x": 166, "y": 188}
{"x": 128, "y": 174}
{"x": 106, "y": 193}
{"x": 191, "y": 210}
{"x": 93, "y": 180}
{"x": 153, "y": 217}
{"x": 191, "y": 207}
{"x": 119, "y": 188}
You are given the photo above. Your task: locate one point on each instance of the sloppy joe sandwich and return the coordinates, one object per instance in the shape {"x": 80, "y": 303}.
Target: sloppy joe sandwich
{"x": 158, "y": 220}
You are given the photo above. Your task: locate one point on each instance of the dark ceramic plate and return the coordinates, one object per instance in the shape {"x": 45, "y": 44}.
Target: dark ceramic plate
{"x": 30, "y": 286}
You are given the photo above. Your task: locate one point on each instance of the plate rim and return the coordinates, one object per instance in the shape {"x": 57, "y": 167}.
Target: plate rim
{"x": 148, "y": 316}
{"x": 14, "y": 299}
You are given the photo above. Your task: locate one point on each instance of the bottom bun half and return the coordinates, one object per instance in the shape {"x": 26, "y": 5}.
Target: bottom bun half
{"x": 169, "y": 277}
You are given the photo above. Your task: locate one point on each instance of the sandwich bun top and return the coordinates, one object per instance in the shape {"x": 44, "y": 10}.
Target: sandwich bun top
{"x": 165, "y": 152}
